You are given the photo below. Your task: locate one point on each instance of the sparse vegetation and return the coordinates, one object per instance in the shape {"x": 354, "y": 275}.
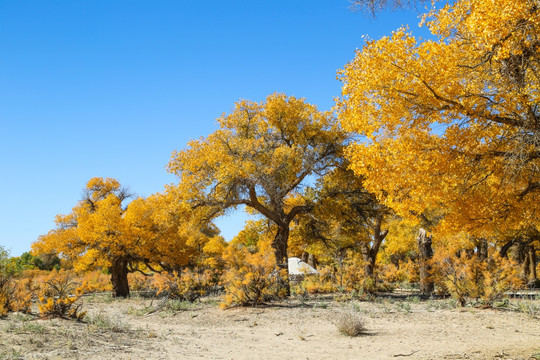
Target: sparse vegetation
{"x": 350, "y": 323}
{"x": 103, "y": 322}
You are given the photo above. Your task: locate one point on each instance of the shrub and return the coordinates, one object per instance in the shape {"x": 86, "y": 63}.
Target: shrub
{"x": 350, "y": 323}
{"x": 467, "y": 277}
{"x": 188, "y": 285}
{"x": 58, "y": 299}
{"x": 25, "y": 292}
{"x": 94, "y": 282}
{"x": 322, "y": 283}
{"x": 251, "y": 278}
{"x": 140, "y": 282}
{"x": 7, "y": 291}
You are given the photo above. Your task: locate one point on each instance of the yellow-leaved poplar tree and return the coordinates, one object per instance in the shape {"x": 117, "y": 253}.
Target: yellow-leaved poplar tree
{"x": 102, "y": 232}
{"x": 453, "y": 122}
{"x": 260, "y": 157}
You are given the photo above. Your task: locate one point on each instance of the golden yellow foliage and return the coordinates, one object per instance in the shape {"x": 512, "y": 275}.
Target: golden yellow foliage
{"x": 101, "y": 232}
{"x": 453, "y": 121}
{"x": 259, "y": 157}
{"x": 470, "y": 277}
{"x": 251, "y": 278}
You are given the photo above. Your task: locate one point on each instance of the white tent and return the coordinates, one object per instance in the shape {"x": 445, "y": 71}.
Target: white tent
{"x": 298, "y": 267}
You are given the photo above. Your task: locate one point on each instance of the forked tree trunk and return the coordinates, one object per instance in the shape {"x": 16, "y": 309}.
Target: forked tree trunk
{"x": 426, "y": 253}
{"x": 369, "y": 254}
{"x": 280, "y": 245}
{"x": 119, "y": 279}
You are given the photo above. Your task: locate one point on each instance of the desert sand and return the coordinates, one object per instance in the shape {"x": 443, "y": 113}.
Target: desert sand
{"x": 295, "y": 329}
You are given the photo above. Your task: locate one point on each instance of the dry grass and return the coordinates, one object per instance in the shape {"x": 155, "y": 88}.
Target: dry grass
{"x": 350, "y": 323}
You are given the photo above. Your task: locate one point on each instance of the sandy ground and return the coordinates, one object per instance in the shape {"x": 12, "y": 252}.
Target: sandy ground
{"x": 396, "y": 329}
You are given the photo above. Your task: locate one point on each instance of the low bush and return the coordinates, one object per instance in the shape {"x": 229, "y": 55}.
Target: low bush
{"x": 350, "y": 323}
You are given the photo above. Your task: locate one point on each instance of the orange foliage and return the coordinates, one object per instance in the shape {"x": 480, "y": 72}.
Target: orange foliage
{"x": 251, "y": 278}
{"x": 468, "y": 276}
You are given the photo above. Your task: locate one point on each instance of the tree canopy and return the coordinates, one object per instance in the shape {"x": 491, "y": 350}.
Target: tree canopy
{"x": 103, "y": 232}
{"x": 261, "y": 157}
{"x": 452, "y": 122}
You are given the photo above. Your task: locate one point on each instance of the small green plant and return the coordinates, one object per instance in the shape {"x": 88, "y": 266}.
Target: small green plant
{"x": 535, "y": 356}
{"x": 404, "y": 306}
{"x": 105, "y": 323}
{"x": 350, "y": 323}
{"x": 320, "y": 305}
{"x": 179, "y": 305}
{"x": 27, "y": 327}
{"x": 526, "y": 306}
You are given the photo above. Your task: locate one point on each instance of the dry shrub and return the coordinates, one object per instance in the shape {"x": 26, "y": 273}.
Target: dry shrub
{"x": 188, "y": 285}
{"x": 352, "y": 276}
{"x": 406, "y": 272}
{"x": 350, "y": 323}
{"x": 26, "y": 291}
{"x": 485, "y": 280}
{"x": 251, "y": 278}
{"x": 95, "y": 282}
{"x": 322, "y": 283}
{"x": 58, "y": 298}
{"x": 140, "y": 282}
{"x": 7, "y": 291}
{"x": 17, "y": 292}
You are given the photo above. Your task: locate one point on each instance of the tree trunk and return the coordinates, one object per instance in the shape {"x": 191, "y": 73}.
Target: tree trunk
{"x": 369, "y": 254}
{"x": 312, "y": 261}
{"x": 532, "y": 264}
{"x": 280, "y": 245}
{"x": 522, "y": 257}
{"x": 482, "y": 249}
{"x": 119, "y": 279}
{"x": 504, "y": 249}
{"x": 368, "y": 268}
{"x": 426, "y": 253}
{"x": 309, "y": 259}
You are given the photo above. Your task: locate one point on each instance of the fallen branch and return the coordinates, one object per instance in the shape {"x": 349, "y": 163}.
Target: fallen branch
{"x": 413, "y": 352}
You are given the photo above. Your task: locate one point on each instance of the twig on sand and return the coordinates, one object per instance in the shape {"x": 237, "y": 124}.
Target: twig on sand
{"x": 158, "y": 307}
{"x": 411, "y": 353}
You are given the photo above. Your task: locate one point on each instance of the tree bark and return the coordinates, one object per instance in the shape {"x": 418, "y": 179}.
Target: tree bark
{"x": 369, "y": 254}
{"x": 119, "y": 279}
{"x": 504, "y": 249}
{"x": 312, "y": 261}
{"x": 280, "y": 245}
{"x": 482, "y": 249}
{"x": 532, "y": 264}
{"x": 426, "y": 253}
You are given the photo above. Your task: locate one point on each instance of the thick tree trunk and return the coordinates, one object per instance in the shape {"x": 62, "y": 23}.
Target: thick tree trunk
{"x": 521, "y": 255}
{"x": 369, "y": 254}
{"x": 426, "y": 253}
{"x": 504, "y": 249}
{"x": 119, "y": 279}
{"x": 369, "y": 257}
{"x": 368, "y": 268}
{"x": 280, "y": 246}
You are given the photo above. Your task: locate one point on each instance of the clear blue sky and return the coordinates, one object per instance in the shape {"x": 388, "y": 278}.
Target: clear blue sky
{"x": 110, "y": 88}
